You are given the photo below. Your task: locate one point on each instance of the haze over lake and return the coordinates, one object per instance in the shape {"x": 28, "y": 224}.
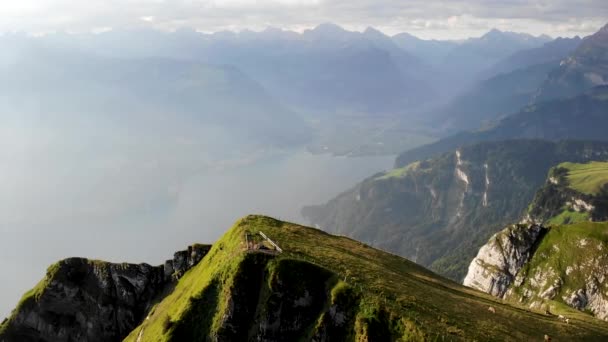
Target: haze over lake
{"x": 166, "y": 213}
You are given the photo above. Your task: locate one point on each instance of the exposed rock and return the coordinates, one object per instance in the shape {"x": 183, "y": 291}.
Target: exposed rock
{"x": 580, "y": 205}
{"x": 86, "y": 300}
{"x": 498, "y": 262}
{"x": 518, "y": 265}
{"x": 184, "y": 260}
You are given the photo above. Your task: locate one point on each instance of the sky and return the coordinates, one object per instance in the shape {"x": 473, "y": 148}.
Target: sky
{"x": 453, "y": 19}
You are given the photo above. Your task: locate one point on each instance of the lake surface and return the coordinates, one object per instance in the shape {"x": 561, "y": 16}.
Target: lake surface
{"x": 117, "y": 208}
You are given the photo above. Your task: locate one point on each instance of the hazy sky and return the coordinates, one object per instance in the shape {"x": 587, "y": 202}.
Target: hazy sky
{"x": 424, "y": 18}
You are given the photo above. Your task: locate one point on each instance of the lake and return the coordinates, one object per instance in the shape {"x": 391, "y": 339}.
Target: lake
{"x": 125, "y": 207}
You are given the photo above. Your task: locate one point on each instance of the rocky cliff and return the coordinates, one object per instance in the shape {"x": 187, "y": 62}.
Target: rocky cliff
{"x": 499, "y": 261}
{"x": 545, "y": 267}
{"x": 564, "y": 261}
{"x": 87, "y": 300}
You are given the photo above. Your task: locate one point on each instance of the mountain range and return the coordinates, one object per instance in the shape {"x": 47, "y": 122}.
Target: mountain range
{"x": 445, "y": 199}
{"x": 343, "y": 83}
{"x": 511, "y": 200}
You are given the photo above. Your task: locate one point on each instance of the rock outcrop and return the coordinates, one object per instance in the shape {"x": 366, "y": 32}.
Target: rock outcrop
{"x": 566, "y": 261}
{"x": 184, "y": 260}
{"x": 558, "y": 203}
{"x": 87, "y": 300}
{"x": 498, "y": 262}
{"x": 537, "y": 266}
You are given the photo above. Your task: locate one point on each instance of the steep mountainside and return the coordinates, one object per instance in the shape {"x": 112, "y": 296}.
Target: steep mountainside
{"x": 557, "y": 255}
{"x": 430, "y": 51}
{"x": 489, "y": 99}
{"x": 573, "y": 193}
{"x": 438, "y": 212}
{"x": 328, "y": 288}
{"x": 546, "y": 267}
{"x": 137, "y": 90}
{"x": 583, "y": 117}
{"x": 551, "y": 52}
{"x": 477, "y": 54}
{"x": 587, "y": 67}
{"x": 505, "y": 88}
{"x": 465, "y": 62}
{"x": 89, "y": 300}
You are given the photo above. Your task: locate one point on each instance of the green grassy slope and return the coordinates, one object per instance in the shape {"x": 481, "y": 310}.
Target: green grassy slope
{"x": 588, "y": 178}
{"x": 384, "y": 297}
{"x": 574, "y": 192}
{"x": 563, "y": 262}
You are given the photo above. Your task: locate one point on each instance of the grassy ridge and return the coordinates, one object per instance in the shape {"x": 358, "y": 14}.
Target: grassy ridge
{"x": 384, "y": 291}
{"x": 568, "y": 217}
{"x": 588, "y": 178}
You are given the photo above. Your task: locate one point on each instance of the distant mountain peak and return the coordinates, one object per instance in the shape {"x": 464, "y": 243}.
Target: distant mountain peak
{"x": 328, "y": 28}
{"x": 327, "y": 31}
{"x": 373, "y": 33}
{"x": 371, "y": 30}
{"x": 406, "y": 35}
{"x": 498, "y": 34}
{"x": 494, "y": 31}
{"x": 272, "y": 32}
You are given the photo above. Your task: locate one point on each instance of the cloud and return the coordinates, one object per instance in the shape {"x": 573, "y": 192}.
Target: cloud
{"x": 432, "y": 18}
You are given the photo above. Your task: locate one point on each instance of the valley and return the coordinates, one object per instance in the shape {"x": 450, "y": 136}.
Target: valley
{"x": 338, "y": 171}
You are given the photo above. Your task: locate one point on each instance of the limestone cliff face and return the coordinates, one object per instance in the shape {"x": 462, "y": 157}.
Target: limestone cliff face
{"x": 85, "y": 300}
{"x": 498, "y": 262}
{"x": 565, "y": 262}
{"x": 537, "y": 266}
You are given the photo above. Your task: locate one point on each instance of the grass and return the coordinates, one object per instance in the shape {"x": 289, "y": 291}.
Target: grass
{"x": 389, "y": 295}
{"x": 399, "y": 172}
{"x": 33, "y": 295}
{"x": 569, "y": 217}
{"x": 569, "y": 254}
{"x": 588, "y": 178}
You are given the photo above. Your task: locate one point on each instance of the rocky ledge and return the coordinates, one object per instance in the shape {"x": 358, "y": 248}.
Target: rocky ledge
{"x": 88, "y": 300}
{"x": 498, "y": 262}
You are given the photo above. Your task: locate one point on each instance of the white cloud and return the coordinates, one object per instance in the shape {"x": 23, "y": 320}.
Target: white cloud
{"x": 452, "y": 19}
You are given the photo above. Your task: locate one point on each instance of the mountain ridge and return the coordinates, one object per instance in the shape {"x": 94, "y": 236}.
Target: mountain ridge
{"x": 580, "y": 117}
{"x": 332, "y": 285}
